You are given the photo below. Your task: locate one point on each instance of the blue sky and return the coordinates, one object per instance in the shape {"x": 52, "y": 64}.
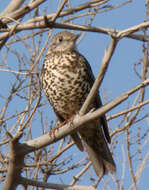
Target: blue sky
{"x": 119, "y": 78}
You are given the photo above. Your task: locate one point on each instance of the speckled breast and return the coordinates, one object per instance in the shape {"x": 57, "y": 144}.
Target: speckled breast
{"x": 65, "y": 82}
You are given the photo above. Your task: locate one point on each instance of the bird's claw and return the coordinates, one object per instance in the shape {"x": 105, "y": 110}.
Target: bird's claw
{"x": 52, "y": 132}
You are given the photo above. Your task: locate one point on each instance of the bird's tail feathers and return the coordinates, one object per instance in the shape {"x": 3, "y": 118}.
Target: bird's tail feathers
{"x": 98, "y": 149}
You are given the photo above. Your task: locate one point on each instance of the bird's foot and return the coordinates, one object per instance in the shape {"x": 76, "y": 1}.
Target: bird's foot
{"x": 52, "y": 132}
{"x": 71, "y": 119}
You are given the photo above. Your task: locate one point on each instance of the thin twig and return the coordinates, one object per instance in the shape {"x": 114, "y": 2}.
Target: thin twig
{"x": 128, "y": 110}
{"x": 59, "y": 11}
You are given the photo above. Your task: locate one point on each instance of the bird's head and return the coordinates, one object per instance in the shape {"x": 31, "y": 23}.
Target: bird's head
{"x": 63, "y": 42}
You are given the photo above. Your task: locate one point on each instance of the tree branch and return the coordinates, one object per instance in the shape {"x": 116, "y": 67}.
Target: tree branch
{"x": 25, "y": 181}
{"x": 101, "y": 74}
{"x": 78, "y": 121}
{"x": 13, "y": 5}
{"x": 116, "y": 33}
{"x": 16, "y": 163}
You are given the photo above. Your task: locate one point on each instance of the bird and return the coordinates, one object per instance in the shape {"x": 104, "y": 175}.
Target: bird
{"x": 67, "y": 79}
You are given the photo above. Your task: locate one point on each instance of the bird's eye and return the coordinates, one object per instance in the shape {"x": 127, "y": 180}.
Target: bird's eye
{"x": 60, "y": 39}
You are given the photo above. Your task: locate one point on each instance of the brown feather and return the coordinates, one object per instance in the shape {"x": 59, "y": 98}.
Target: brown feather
{"x": 97, "y": 148}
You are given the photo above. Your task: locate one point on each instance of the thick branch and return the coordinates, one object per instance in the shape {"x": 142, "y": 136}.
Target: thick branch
{"x": 118, "y": 34}
{"x": 53, "y": 186}
{"x": 22, "y": 11}
{"x": 78, "y": 121}
{"x": 13, "y": 5}
{"x": 16, "y": 163}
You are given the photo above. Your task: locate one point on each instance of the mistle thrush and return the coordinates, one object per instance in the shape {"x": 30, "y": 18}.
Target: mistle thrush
{"x": 67, "y": 79}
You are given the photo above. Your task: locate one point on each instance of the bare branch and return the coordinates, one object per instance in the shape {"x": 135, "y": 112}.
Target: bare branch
{"x": 22, "y": 11}
{"x": 59, "y": 11}
{"x": 128, "y": 110}
{"x": 78, "y": 122}
{"x": 115, "y": 33}
{"x": 13, "y": 5}
{"x": 16, "y": 163}
{"x": 25, "y": 181}
{"x": 103, "y": 69}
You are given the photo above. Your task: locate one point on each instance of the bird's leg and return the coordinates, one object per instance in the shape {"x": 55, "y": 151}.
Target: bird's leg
{"x": 52, "y": 132}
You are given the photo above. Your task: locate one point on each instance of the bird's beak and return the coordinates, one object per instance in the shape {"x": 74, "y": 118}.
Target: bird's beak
{"x": 75, "y": 37}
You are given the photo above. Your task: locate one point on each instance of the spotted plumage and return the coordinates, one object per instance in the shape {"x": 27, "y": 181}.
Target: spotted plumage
{"x": 67, "y": 79}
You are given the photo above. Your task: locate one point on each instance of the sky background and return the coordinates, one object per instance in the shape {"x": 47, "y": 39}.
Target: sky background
{"x": 119, "y": 78}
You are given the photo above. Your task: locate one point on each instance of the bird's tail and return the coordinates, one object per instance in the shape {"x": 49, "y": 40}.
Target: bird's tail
{"x": 97, "y": 148}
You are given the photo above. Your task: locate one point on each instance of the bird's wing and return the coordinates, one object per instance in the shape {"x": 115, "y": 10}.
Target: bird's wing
{"x": 97, "y": 99}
